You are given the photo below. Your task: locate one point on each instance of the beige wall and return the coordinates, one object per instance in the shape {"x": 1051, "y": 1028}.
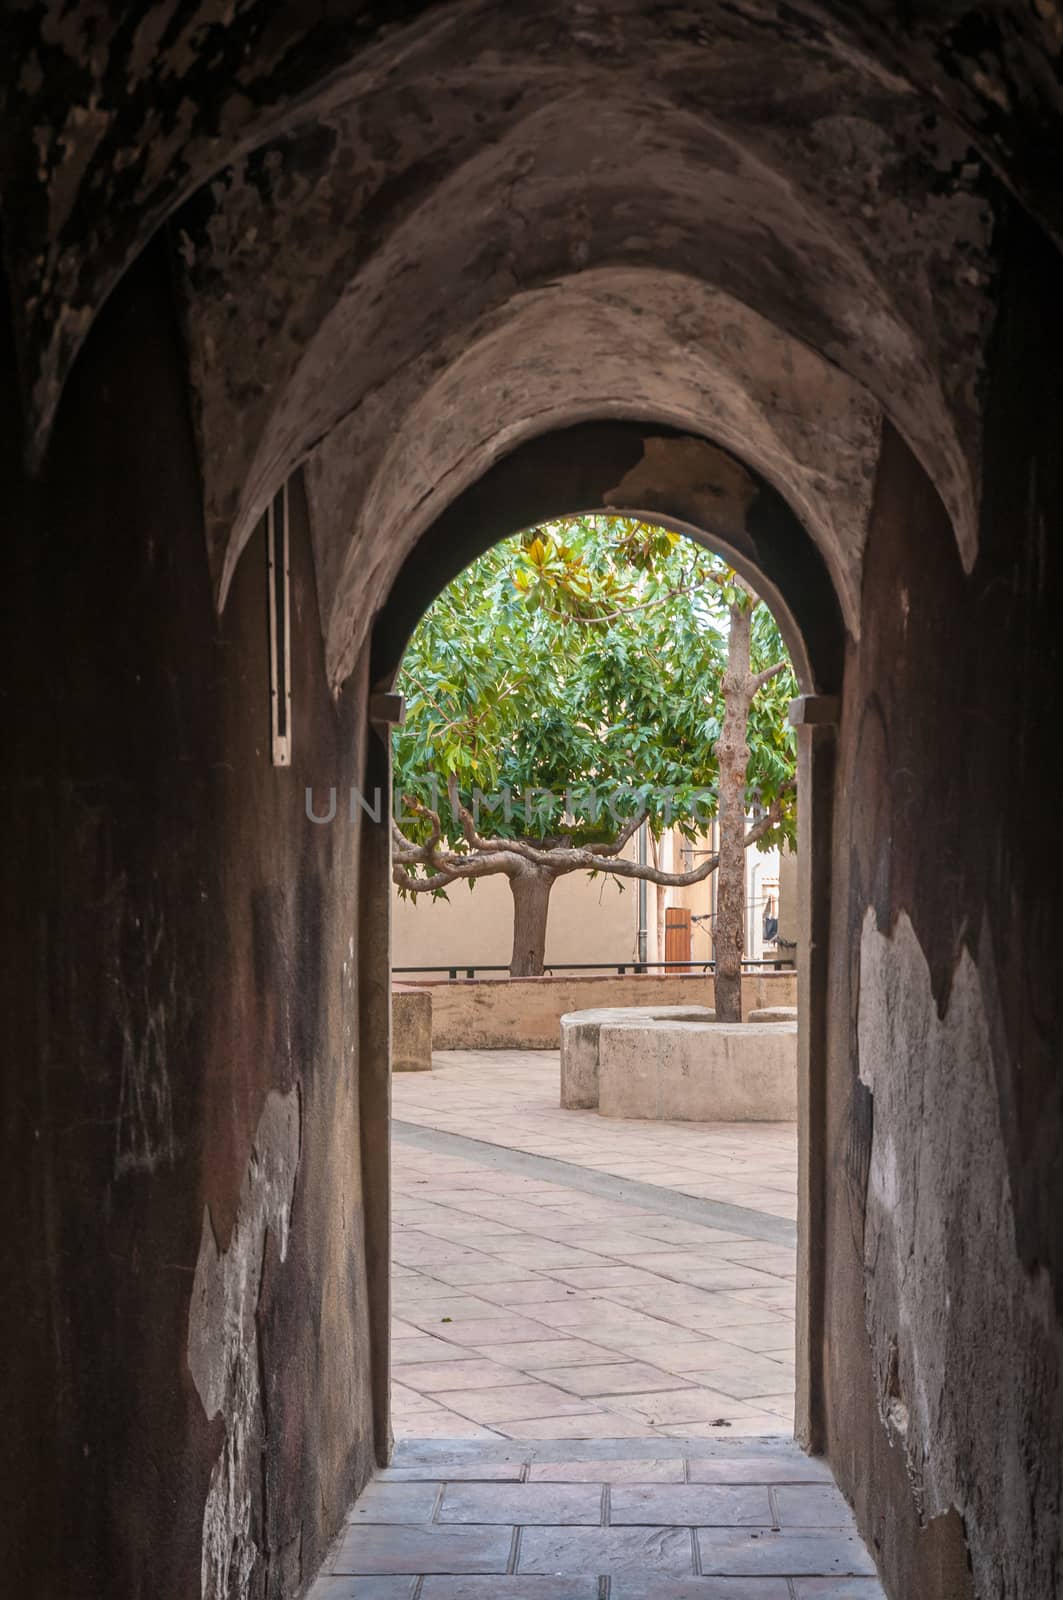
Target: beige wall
{"x": 590, "y": 920}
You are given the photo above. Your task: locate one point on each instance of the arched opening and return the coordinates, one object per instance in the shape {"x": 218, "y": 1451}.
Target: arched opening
{"x": 689, "y": 484}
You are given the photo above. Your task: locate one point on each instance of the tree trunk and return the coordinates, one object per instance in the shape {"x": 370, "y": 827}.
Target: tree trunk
{"x": 531, "y": 903}
{"x": 732, "y": 754}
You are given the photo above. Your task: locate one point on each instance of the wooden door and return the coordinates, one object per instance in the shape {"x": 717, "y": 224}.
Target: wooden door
{"x": 677, "y": 935}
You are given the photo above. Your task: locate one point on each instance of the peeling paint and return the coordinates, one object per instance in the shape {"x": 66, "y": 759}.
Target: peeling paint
{"x": 316, "y": 327}
{"x": 725, "y": 479}
{"x": 967, "y": 1351}
{"x": 223, "y": 1355}
{"x": 809, "y": 182}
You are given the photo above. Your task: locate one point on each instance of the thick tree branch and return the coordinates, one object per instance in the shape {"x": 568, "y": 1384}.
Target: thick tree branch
{"x": 447, "y": 865}
{"x": 487, "y": 856}
{"x": 452, "y": 869}
{"x": 652, "y": 874}
{"x": 540, "y": 857}
{"x": 759, "y": 679}
{"x": 406, "y": 880}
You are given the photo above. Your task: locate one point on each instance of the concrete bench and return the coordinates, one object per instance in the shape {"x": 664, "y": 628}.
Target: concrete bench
{"x": 579, "y": 1045}
{"x": 676, "y": 1071}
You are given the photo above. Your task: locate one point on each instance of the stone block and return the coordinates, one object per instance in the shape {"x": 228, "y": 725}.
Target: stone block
{"x": 579, "y": 1045}
{"x": 773, "y": 1014}
{"x": 411, "y": 1029}
{"x": 698, "y": 1072}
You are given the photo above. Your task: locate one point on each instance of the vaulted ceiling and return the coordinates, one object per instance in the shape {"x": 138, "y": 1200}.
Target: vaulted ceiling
{"x": 405, "y": 240}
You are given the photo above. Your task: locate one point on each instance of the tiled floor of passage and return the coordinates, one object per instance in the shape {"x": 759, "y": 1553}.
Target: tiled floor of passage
{"x": 624, "y": 1520}
{"x": 532, "y": 1310}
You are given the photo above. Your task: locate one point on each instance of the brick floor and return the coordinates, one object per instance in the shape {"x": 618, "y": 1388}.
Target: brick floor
{"x": 530, "y": 1309}
{"x": 640, "y": 1520}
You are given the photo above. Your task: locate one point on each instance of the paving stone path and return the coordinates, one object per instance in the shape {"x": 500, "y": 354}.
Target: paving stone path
{"x": 587, "y": 1357}
{"x": 527, "y": 1308}
{"x": 620, "y": 1520}
{"x": 510, "y": 1097}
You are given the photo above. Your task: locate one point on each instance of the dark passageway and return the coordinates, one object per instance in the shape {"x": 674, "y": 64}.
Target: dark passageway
{"x": 408, "y": 278}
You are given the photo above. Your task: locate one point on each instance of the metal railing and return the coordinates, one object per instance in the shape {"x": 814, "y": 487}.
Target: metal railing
{"x": 620, "y": 968}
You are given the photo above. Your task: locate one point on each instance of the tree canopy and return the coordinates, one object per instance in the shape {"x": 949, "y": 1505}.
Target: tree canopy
{"x": 578, "y": 669}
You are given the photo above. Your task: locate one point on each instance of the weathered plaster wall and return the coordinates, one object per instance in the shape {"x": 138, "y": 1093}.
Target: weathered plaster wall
{"x": 116, "y": 115}
{"x": 184, "y": 1348}
{"x": 595, "y": 344}
{"x": 944, "y": 1280}
{"x": 313, "y": 268}
{"x": 949, "y": 1292}
{"x": 662, "y": 473}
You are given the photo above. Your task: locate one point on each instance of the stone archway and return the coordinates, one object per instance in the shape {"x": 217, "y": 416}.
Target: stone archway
{"x": 687, "y": 482}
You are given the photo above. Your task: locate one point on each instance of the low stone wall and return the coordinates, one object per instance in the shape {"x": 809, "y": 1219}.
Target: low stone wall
{"x": 411, "y": 1029}
{"x": 674, "y": 1071}
{"x": 525, "y": 1013}
{"x": 580, "y": 1036}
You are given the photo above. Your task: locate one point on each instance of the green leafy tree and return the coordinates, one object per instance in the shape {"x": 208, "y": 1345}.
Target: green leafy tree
{"x": 573, "y": 681}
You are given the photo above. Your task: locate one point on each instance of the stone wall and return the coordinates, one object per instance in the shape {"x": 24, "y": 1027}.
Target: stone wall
{"x": 184, "y": 1349}
{"x": 943, "y": 1350}
{"x": 525, "y": 1013}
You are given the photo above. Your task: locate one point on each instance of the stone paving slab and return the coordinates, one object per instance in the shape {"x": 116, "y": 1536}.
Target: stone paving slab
{"x": 610, "y": 1378}
{"x": 740, "y": 1552}
{"x": 606, "y": 1550}
{"x": 511, "y": 1588}
{"x": 775, "y": 1467}
{"x": 540, "y": 1355}
{"x": 837, "y": 1589}
{"x": 610, "y": 1472}
{"x": 525, "y": 1503}
{"x": 691, "y": 1505}
{"x": 437, "y": 1377}
{"x": 702, "y": 1589}
{"x": 811, "y": 1506}
{"x": 373, "y": 1550}
{"x": 364, "y": 1588}
{"x": 516, "y": 1403}
{"x": 387, "y": 1501}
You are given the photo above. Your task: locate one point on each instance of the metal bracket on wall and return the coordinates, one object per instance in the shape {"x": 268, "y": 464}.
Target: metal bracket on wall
{"x": 815, "y": 711}
{"x": 387, "y": 710}
{"x": 280, "y": 631}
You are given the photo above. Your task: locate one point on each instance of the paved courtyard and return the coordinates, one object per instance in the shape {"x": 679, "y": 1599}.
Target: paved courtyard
{"x": 563, "y": 1276}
